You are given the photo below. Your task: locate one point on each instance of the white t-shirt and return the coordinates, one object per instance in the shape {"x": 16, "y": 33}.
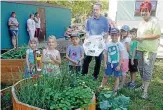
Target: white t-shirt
{"x": 114, "y": 50}
{"x": 124, "y": 41}
{"x": 31, "y": 24}
{"x": 37, "y": 24}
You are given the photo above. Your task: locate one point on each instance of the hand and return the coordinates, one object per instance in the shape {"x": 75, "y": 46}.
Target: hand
{"x": 105, "y": 66}
{"x": 40, "y": 30}
{"x": 118, "y": 68}
{"x": 16, "y": 25}
{"x": 138, "y": 39}
{"x": 132, "y": 61}
{"x": 75, "y": 63}
{"x": 51, "y": 57}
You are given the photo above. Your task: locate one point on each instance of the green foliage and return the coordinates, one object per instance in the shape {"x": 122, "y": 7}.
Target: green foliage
{"x": 15, "y": 53}
{"x": 80, "y": 7}
{"x": 6, "y": 103}
{"x": 64, "y": 91}
{"x": 107, "y": 100}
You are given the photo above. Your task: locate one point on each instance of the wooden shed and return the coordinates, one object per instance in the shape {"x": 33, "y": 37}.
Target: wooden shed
{"x": 54, "y": 20}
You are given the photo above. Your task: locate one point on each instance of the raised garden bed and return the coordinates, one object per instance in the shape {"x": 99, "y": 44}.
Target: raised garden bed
{"x": 13, "y": 65}
{"x": 61, "y": 92}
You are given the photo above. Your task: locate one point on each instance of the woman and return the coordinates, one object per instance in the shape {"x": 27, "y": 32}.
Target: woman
{"x": 31, "y": 26}
{"x": 13, "y": 28}
{"x": 148, "y": 35}
{"x": 37, "y": 25}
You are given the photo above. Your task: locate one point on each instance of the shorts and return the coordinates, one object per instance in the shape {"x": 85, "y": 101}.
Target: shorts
{"x": 133, "y": 68}
{"x": 110, "y": 70}
{"x": 124, "y": 66}
{"x": 13, "y": 33}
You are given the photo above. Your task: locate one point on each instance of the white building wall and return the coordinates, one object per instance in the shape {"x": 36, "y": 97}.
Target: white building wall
{"x": 122, "y": 11}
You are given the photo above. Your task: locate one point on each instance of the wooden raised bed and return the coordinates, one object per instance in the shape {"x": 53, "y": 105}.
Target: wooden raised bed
{"x": 12, "y": 70}
{"x": 17, "y": 105}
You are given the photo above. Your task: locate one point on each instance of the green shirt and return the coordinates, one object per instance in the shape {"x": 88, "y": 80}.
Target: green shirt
{"x": 133, "y": 46}
{"x": 149, "y": 28}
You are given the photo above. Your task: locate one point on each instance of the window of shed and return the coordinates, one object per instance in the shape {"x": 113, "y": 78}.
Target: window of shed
{"x": 137, "y": 7}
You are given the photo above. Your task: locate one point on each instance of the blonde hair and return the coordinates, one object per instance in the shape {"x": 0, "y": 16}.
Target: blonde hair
{"x": 53, "y": 38}
{"x": 33, "y": 40}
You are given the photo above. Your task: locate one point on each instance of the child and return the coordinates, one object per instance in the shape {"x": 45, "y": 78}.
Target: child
{"x": 75, "y": 54}
{"x": 30, "y": 59}
{"x": 133, "y": 59}
{"x": 125, "y": 40}
{"x": 113, "y": 55}
{"x": 51, "y": 58}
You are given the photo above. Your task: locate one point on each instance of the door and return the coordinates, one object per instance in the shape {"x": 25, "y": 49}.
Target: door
{"x": 42, "y": 14}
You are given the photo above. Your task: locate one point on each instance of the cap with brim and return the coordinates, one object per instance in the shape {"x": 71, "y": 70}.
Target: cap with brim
{"x": 125, "y": 28}
{"x": 75, "y": 35}
{"x": 114, "y": 31}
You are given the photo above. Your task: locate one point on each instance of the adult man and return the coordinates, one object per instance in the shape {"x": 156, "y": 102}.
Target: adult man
{"x": 96, "y": 25}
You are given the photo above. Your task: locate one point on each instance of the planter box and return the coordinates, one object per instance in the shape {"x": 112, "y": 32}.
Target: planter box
{"x": 17, "y": 105}
{"x": 12, "y": 70}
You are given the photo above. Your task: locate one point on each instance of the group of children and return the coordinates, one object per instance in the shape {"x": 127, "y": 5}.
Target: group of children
{"x": 51, "y": 58}
{"x": 119, "y": 56}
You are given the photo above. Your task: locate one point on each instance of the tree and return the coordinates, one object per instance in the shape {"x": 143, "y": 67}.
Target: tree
{"x": 79, "y": 8}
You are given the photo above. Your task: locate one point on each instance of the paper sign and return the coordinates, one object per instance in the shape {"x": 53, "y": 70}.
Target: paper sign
{"x": 94, "y": 45}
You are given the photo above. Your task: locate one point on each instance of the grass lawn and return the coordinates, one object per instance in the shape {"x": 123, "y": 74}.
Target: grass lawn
{"x": 155, "y": 101}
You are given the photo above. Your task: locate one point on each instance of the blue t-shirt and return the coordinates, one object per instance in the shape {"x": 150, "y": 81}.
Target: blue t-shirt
{"x": 114, "y": 50}
{"x": 75, "y": 53}
{"x": 96, "y": 26}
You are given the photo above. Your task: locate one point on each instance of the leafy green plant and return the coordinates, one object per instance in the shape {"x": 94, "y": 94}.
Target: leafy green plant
{"x": 6, "y": 102}
{"x": 64, "y": 91}
{"x": 107, "y": 100}
{"x": 15, "y": 53}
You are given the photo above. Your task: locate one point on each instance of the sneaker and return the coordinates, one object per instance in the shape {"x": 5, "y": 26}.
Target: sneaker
{"x": 132, "y": 85}
{"x": 144, "y": 95}
{"x": 139, "y": 89}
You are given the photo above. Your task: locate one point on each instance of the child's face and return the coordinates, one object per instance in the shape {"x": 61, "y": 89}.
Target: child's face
{"x": 123, "y": 33}
{"x": 51, "y": 43}
{"x": 114, "y": 37}
{"x": 75, "y": 40}
{"x": 133, "y": 34}
{"x": 33, "y": 44}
